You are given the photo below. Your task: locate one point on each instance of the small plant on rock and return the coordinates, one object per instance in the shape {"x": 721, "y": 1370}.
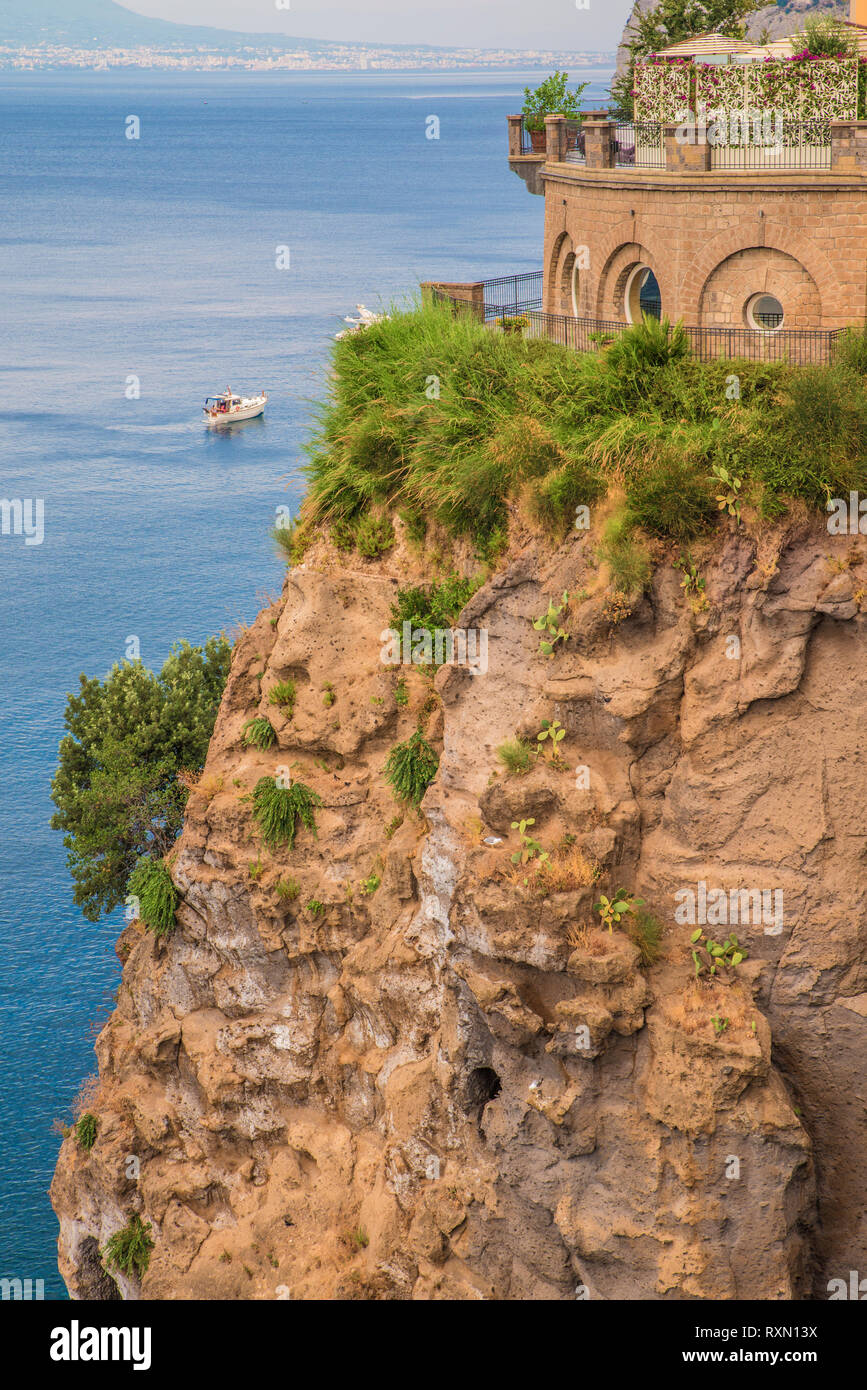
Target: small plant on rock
{"x": 284, "y": 694}
{"x": 129, "y": 1249}
{"x": 719, "y": 1024}
{"x": 516, "y": 755}
{"x": 710, "y": 957}
{"x": 279, "y": 809}
{"x": 370, "y": 884}
{"x": 287, "y": 888}
{"x": 411, "y": 768}
{"x": 549, "y": 623}
{"x": 315, "y": 907}
{"x": 552, "y": 730}
{"x": 259, "y": 733}
{"x": 85, "y": 1129}
{"x": 611, "y": 910}
{"x": 645, "y": 931}
{"x": 530, "y": 848}
{"x": 151, "y": 882}
{"x": 692, "y": 582}
{"x": 729, "y": 500}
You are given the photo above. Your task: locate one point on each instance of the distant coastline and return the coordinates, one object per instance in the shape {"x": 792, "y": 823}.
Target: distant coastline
{"x": 352, "y": 58}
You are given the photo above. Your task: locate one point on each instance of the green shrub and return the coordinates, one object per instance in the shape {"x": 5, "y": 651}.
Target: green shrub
{"x": 375, "y": 536}
{"x": 637, "y": 353}
{"x": 516, "y": 755}
{"x": 401, "y": 694}
{"x": 259, "y": 732}
{"x": 551, "y": 98}
{"x": 433, "y": 606}
{"x": 523, "y": 419}
{"x": 292, "y": 541}
{"x": 824, "y": 34}
{"x": 669, "y": 498}
{"x": 129, "y": 1249}
{"x": 851, "y": 350}
{"x": 344, "y": 533}
{"x": 415, "y": 522}
{"x": 85, "y": 1129}
{"x": 315, "y": 907}
{"x": 279, "y": 809}
{"x": 625, "y": 555}
{"x": 284, "y": 694}
{"x": 151, "y": 882}
{"x": 553, "y": 499}
{"x": 411, "y": 767}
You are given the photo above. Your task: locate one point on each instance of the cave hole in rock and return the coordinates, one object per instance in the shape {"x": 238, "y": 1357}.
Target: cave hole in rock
{"x": 483, "y": 1085}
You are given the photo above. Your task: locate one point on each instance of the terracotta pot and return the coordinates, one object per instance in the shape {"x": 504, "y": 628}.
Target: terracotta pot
{"x": 537, "y": 140}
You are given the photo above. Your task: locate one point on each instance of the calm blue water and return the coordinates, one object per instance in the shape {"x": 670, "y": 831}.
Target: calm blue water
{"x": 156, "y": 258}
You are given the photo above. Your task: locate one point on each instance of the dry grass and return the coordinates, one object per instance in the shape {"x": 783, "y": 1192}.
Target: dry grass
{"x": 561, "y": 874}
{"x": 88, "y": 1097}
{"x": 206, "y": 786}
{"x": 701, "y": 999}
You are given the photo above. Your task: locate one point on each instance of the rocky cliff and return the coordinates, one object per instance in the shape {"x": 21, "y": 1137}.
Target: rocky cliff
{"x": 453, "y": 1085}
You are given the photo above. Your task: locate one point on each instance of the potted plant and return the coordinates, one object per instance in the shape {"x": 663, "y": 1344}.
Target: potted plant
{"x": 550, "y": 99}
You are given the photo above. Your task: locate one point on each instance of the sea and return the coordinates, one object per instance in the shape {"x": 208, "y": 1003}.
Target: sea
{"x": 163, "y": 236}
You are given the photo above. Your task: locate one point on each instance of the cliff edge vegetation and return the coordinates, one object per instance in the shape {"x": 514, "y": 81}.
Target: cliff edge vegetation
{"x": 515, "y": 955}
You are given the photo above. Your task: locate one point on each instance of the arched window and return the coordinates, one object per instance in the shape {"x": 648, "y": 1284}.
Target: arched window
{"x": 642, "y": 295}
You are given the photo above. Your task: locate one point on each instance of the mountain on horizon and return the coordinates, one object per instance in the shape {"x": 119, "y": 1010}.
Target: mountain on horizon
{"x": 105, "y": 24}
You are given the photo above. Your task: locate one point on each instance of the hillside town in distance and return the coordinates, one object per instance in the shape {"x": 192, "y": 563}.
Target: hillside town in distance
{"x": 351, "y": 57}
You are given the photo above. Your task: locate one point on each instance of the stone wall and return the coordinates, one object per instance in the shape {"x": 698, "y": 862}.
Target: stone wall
{"x": 712, "y": 240}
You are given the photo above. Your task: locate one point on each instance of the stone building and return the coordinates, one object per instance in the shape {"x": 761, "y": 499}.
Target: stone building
{"x": 755, "y": 220}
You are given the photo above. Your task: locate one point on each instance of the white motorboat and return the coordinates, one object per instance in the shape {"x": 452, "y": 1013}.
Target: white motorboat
{"x": 227, "y": 409}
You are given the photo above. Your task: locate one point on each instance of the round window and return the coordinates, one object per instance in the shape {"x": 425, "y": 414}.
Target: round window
{"x": 642, "y": 296}
{"x": 765, "y": 313}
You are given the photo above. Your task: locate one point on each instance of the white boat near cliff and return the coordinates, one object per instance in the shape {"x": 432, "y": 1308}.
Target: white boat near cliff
{"x": 228, "y": 409}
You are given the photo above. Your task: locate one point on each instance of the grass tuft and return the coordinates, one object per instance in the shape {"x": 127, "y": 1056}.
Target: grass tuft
{"x": 151, "y": 882}
{"x": 516, "y": 755}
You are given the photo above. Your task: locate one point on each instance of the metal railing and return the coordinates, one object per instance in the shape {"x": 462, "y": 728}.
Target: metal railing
{"x": 791, "y": 145}
{"x": 575, "y": 149}
{"x": 639, "y": 145}
{"x": 511, "y": 296}
{"x": 532, "y": 142}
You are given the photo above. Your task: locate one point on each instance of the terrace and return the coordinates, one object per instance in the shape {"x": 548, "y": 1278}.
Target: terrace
{"x": 715, "y": 104}
{"x": 733, "y": 200}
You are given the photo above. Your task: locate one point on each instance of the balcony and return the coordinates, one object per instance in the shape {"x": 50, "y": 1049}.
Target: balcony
{"x": 816, "y": 147}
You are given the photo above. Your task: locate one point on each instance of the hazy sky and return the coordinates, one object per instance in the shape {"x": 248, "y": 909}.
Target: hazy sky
{"x": 480, "y": 23}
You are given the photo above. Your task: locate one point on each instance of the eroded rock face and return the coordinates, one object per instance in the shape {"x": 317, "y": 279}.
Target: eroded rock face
{"x": 449, "y": 1086}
